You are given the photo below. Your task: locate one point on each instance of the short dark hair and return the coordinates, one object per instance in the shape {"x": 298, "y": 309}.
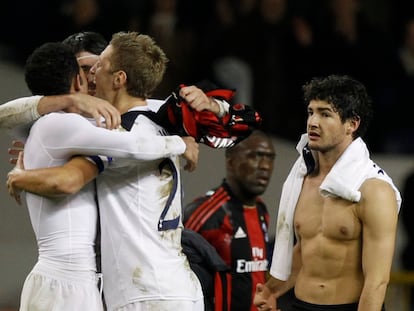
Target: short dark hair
{"x": 50, "y": 69}
{"x": 347, "y": 96}
{"x": 253, "y": 135}
{"x": 88, "y": 41}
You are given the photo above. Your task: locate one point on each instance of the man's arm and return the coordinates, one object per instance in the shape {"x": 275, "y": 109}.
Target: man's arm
{"x": 191, "y": 153}
{"x": 379, "y": 214}
{"x": 70, "y": 177}
{"x": 267, "y": 294}
{"x": 69, "y": 134}
{"x": 60, "y": 180}
{"x": 25, "y": 110}
{"x": 199, "y": 101}
{"x": 19, "y": 112}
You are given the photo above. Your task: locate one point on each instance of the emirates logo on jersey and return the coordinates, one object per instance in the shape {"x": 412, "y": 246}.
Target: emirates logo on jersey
{"x": 245, "y": 266}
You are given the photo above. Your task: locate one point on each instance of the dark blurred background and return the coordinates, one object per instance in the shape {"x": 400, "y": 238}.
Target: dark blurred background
{"x": 266, "y": 49}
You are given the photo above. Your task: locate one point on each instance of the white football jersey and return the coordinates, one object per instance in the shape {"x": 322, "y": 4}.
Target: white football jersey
{"x": 139, "y": 261}
{"x": 65, "y": 226}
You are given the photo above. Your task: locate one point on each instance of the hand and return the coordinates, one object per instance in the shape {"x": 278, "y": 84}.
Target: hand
{"x": 263, "y": 299}
{"x": 17, "y": 146}
{"x": 191, "y": 153}
{"x": 198, "y": 100}
{"x": 96, "y": 108}
{"x": 14, "y": 191}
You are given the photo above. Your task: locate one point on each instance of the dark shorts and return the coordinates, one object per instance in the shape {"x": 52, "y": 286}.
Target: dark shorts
{"x": 299, "y": 305}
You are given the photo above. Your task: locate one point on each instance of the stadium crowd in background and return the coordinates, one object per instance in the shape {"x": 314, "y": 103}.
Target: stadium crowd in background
{"x": 264, "y": 48}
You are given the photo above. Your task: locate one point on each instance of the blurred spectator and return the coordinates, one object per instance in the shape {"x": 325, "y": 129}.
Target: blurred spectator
{"x": 400, "y": 11}
{"x": 398, "y": 135}
{"x": 350, "y": 44}
{"x": 265, "y": 49}
{"x": 246, "y": 47}
{"x": 103, "y": 16}
{"x": 407, "y": 213}
{"x": 270, "y": 28}
{"x": 176, "y": 38}
{"x": 282, "y": 51}
{"x": 230, "y": 68}
{"x": 26, "y": 25}
{"x": 82, "y": 13}
{"x": 221, "y": 48}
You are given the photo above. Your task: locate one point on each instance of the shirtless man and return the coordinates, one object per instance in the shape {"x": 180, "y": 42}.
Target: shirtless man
{"x": 341, "y": 207}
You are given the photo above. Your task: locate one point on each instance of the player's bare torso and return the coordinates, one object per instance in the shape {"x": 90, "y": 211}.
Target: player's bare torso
{"x": 329, "y": 231}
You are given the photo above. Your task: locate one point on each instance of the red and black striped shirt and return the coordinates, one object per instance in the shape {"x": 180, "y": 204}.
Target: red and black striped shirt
{"x": 239, "y": 235}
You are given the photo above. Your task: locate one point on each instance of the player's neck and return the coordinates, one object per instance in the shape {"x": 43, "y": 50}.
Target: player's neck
{"x": 249, "y": 206}
{"x": 125, "y": 103}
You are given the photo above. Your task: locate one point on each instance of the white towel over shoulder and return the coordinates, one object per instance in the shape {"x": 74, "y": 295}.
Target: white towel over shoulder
{"x": 344, "y": 180}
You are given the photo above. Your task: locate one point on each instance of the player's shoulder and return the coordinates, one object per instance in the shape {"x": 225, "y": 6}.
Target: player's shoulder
{"x": 52, "y": 117}
{"x": 60, "y": 122}
{"x": 60, "y": 115}
{"x": 194, "y": 204}
{"x": 378, "y": 196}
{"x": 209, "y": 201}
{"x": 376, "y": 188}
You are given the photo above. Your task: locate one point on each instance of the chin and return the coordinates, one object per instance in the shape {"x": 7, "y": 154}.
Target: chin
{"x": 313, "y": 145}
{"x": 259, "y": 190}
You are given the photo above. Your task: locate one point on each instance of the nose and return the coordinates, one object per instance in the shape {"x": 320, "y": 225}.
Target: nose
{"x": 266, "y": 163}
{"x": 312, "y": 121}
{"x": 92, "y": 71}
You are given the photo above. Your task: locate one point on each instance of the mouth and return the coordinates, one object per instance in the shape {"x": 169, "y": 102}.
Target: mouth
{"x": 91, "y": 88}
{"x": 313, "y": 135}
{"x": 263, "y": 180}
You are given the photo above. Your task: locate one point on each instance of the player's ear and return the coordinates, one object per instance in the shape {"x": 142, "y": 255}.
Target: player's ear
{"x": 78, "y": 81}
{"x": 120, "y": 78}
{"x": 353, "y": 124}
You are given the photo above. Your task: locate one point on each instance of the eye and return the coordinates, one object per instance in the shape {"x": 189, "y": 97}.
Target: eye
{"x": 86, "y": 69}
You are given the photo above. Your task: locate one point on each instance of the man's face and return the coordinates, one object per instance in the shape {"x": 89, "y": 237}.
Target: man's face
{"x": 86, "y": 61}
{"x": 325, "y": 128}
{"x": 251, "y": 166}
{"x": 83, "y": 83}
{"x": 103, "y": 75}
